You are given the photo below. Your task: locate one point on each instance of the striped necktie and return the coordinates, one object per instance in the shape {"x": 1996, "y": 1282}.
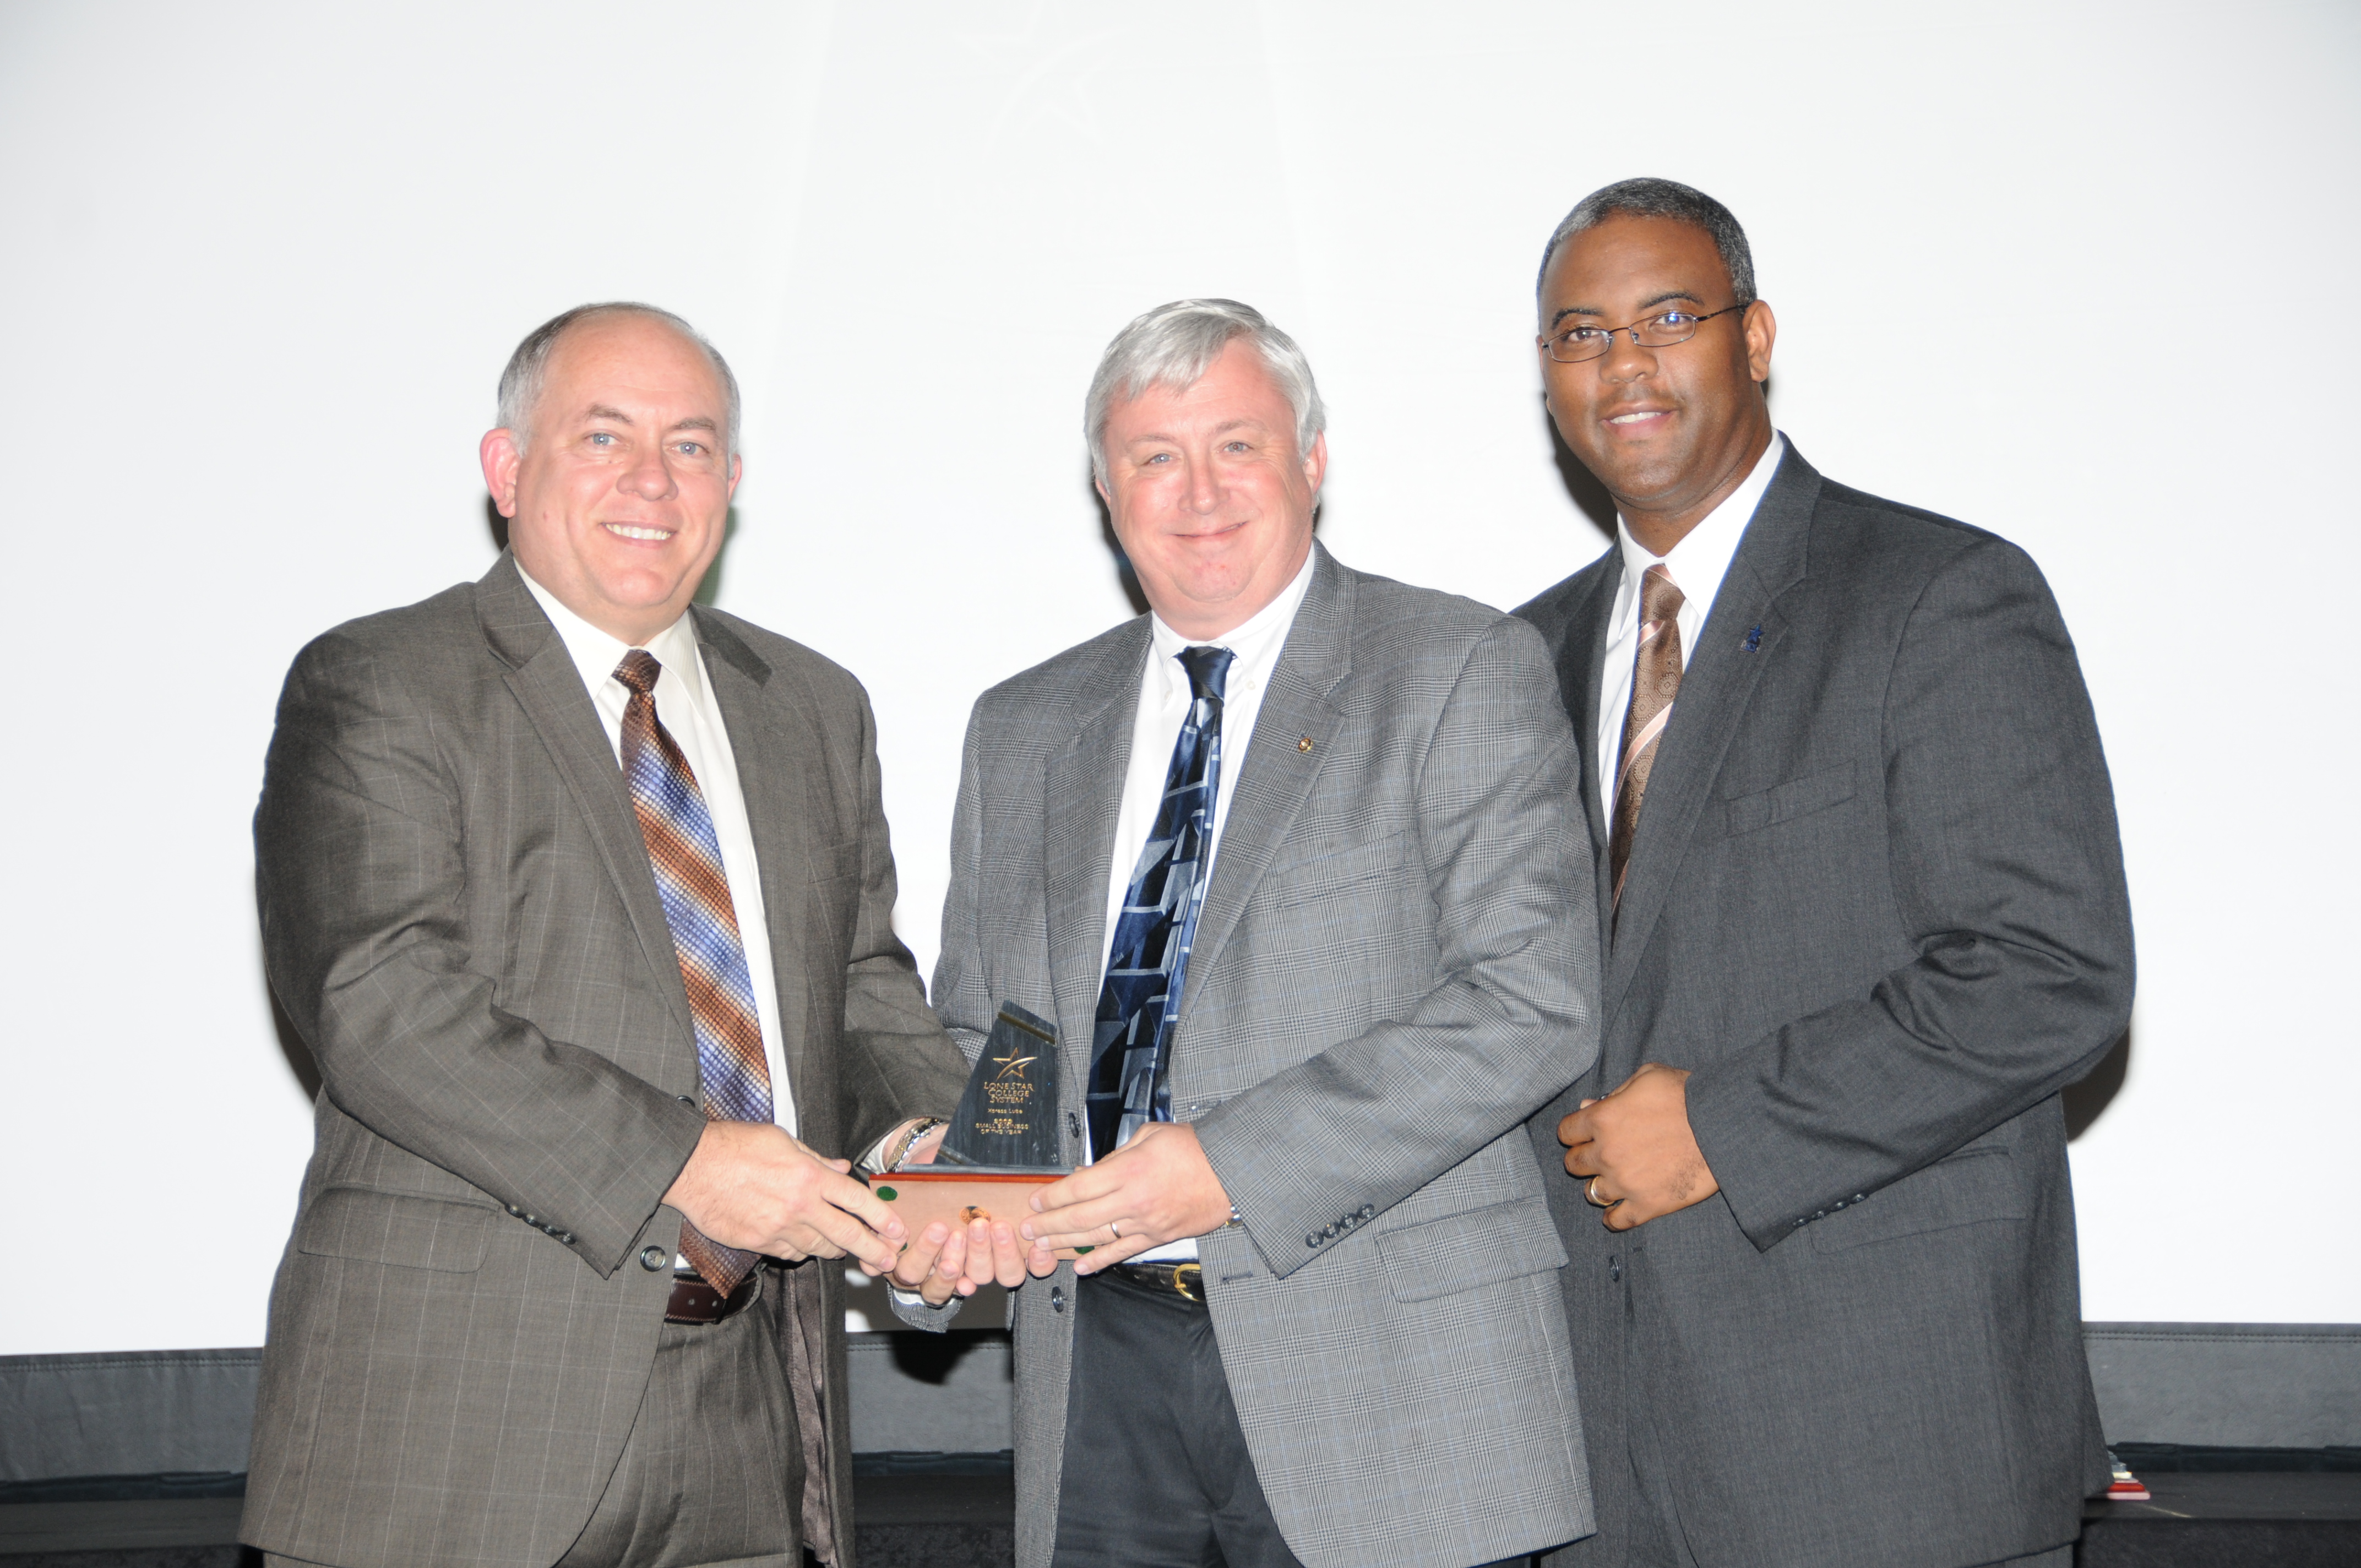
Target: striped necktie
{"x": 1655, "y": 682}
{"x": 731, "y": 1071}
{"x": 1149, "y": 960}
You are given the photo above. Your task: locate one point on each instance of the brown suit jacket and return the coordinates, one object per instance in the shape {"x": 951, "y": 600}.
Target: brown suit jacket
{"x": 458, "y": 914}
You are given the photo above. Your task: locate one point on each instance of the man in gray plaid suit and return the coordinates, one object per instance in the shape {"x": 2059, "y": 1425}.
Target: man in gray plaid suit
{"x": 1293, "y": 865}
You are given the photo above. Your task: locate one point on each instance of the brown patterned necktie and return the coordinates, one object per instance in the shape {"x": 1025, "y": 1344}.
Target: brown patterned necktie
{"x": 1655, "y": 682}
{"x": 686, "y": 856}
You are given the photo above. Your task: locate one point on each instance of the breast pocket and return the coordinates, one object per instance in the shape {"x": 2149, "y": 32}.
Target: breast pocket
{"x": 1331, "y": 871}
{"x": 1785, "y": 803}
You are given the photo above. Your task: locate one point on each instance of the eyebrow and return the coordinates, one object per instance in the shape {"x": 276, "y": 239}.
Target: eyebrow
{"x": 1666, "y": 298}
{"x": 1243, "y": 422}
{"x": 694, "y": 422}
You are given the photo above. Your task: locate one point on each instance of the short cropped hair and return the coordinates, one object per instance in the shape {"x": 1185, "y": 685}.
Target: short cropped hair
{"x": 528, "y": 367}
{"x": 1173, "y": 345}
{"x": 1646, "y": 197}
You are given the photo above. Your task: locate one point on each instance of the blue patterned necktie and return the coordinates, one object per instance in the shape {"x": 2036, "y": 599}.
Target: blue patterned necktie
{"x": 1149, "y": 961}
{"x": 731, "y": 1069}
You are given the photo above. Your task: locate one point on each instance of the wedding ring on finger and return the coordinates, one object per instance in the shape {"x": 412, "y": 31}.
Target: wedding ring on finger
{"x": 1115, "y": 1229}
{"x": 1590, "y": 1195}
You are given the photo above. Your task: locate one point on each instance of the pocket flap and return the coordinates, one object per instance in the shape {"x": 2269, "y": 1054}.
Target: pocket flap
{"x": 402, "y": 1228}
{"x": 1962, "y": 1190}
{"x": 830, "y": 861}
{"x": 1797, "y": 797}
{"x": 1477, "y": 1246}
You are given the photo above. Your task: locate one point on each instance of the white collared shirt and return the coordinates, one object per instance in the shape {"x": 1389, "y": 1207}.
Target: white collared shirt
{"x": 1696, "y": 564}
{"x": 1164, "y": 699}
{"x": 686, "y": 709}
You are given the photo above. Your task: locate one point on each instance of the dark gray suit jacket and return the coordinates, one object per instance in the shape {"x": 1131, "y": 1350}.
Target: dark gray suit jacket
{"x": 1392, "y": 969}
{"x": 1876, "y": 905}
{"x": 458, "y": 914}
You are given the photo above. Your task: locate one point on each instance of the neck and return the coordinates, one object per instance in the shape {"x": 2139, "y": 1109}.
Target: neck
{"x": 1198, "y": 622}
{"x": 1658, "y": 525}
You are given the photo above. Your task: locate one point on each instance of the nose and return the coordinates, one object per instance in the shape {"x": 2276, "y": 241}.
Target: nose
{"x": 650, "y": 476}
{"x": 1204, "y": 496}
{"x": 1625, "y": 359}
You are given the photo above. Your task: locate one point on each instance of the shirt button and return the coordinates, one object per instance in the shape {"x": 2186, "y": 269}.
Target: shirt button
{"x": 1057, "y": 1298}
{"x": 654, "y": 1258}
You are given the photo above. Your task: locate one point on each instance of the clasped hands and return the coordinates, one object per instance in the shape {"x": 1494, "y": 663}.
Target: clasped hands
{"x": 1158, "y": 1188}
{"x": 1634, "y": 1146}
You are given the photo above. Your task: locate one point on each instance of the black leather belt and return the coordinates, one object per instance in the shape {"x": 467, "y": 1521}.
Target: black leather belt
{"x": 1187, "y": 1279}
{"x": 695, "y": 1301}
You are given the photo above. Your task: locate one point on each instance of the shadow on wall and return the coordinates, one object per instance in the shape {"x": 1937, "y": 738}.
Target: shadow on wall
{"x": 1589, "y": 497}
{"x": 292, "y": 1046}
{"x": 2086, "y": 1100}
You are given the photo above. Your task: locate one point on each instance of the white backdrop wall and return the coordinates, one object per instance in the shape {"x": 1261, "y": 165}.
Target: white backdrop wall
{"x": 2081, "y": 274}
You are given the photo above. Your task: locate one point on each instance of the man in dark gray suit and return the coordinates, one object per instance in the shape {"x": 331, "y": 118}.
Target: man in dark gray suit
{"x": 579, "y": 895}
{"x": 1864, "y": 917}
{"x": 1291, "y": 862}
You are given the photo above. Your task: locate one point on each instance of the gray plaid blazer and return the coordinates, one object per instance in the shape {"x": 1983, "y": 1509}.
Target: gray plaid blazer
{"x": 458, "y": 916}
{"x": 1876, "y": 905}
{"x": 1391, "y": 972}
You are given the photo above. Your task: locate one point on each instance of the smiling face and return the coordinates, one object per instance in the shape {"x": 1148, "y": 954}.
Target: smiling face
{"x": 618, "y": 502}
{"x": 1670, "y": 431}
{"x": 1211, "y": 497}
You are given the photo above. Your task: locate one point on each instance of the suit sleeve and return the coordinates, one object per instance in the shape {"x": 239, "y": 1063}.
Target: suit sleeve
{"x": 897, "y": 1063}
{"x": 2008, "y": 877}
{"x": 363, "y": 900}
{"x": 1511, "y": 1018}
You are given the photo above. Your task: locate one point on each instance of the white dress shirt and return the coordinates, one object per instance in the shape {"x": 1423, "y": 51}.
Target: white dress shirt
{"x": 1698, "y": 564}
{"x": 1164, "y": 699}
{"x": 686, "y": 709}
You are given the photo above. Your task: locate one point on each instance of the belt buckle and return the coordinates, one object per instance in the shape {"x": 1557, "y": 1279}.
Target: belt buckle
{"x": 1189, "y": 1278}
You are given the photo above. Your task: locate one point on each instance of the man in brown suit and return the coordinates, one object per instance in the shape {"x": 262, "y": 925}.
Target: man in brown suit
{"x": 580, "y": 895}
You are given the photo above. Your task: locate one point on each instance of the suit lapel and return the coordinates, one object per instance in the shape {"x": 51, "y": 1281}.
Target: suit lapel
{"x": 548, "y": 686}
{"x": 774, "y": 729}
{"x": 1580, "y": 662}
{"x": 1720, "y": 678}
{"x": 1081, "y": 797}
{"x": 1276, "y": 780}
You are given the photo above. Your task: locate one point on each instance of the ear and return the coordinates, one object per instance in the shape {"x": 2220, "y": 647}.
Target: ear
{"x": 1316, "y": 462}
{"x": 1762, "y": 329}
{"x": 737, "y": 472}
{"x": 1099, "y": 485}
{"x": 501, "y": 459}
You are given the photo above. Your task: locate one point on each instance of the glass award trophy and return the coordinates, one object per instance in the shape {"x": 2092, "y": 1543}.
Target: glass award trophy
{"x": 1002, "y": 1145}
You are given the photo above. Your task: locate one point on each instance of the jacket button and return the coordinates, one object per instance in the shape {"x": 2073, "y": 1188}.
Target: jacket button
{"x": 1057, "y": 1298}
{"x": 565, "y": 1236}
{"x": 684, "y": 1098}
{"x": 514, "y": 1213}
{"x": 652, "y": 1258}
{"x": 1368, "y": 1210}
{"x": 1311, "y": 1240}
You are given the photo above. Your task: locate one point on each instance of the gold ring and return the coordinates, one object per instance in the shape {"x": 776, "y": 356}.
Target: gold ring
{"x": 1590, "y": 1195}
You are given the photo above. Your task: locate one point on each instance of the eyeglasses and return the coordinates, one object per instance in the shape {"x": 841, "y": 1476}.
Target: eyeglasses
{"x": 1665, "y": 328}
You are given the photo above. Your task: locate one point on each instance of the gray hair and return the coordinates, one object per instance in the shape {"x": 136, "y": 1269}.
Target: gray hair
{"x": 1660, "y": 199}
{"x": 1173, "y": 345}
{"x": 528, "y": 368}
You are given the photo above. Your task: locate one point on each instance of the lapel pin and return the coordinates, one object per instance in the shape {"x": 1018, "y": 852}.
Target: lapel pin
{"x": 1754, "y": 640}
{"x": 1304, "y": 744}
